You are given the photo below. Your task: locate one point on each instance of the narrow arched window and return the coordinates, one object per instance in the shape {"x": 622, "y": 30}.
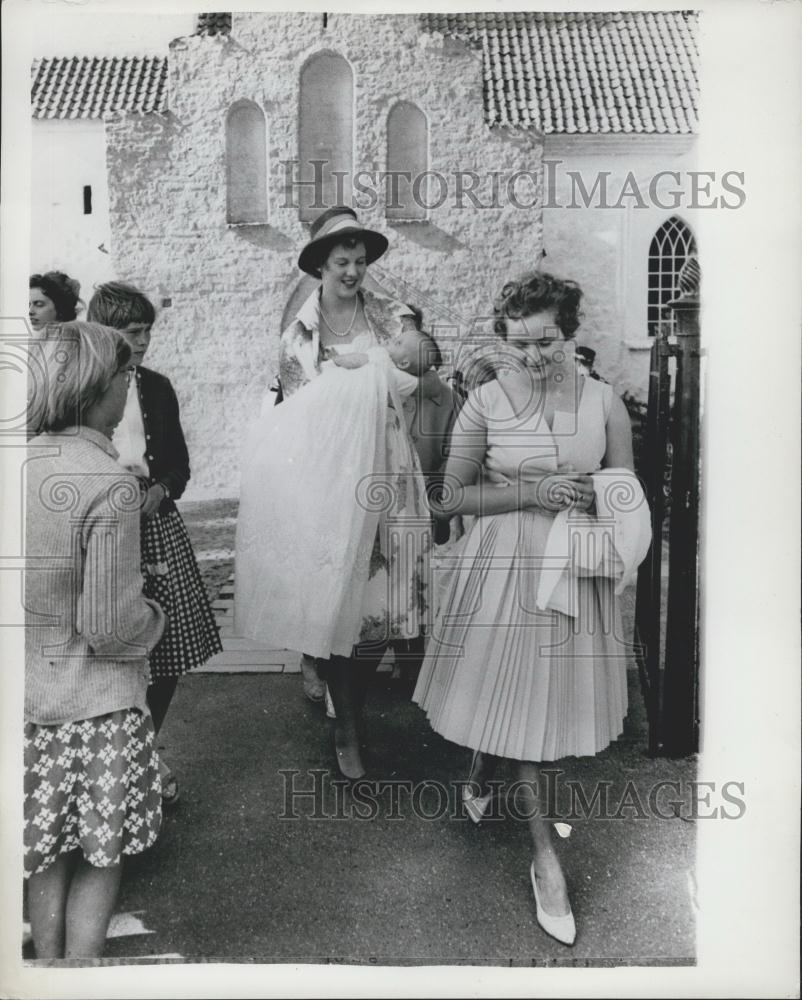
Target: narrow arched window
{"x": 671, "y": 246}
{"x": 407, "y": 162}
{"x": 246, "y": 164}
{"x": 325, "y": 134}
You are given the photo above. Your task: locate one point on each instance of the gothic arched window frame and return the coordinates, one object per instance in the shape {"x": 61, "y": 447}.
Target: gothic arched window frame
{"x": 247, "y": 201}
{"x": 672, "y": 243}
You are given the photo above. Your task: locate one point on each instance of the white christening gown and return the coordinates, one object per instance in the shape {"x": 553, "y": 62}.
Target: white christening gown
{"x": 308, "y": 513}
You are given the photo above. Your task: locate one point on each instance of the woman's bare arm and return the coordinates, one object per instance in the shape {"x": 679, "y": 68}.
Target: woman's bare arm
{"x": 465, "y": 491}
{"x": 358, "y": 359}
{"x": 618, "y": 454}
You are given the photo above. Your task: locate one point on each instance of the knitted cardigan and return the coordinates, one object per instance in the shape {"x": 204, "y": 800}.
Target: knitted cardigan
{"x": 88, "y": 627}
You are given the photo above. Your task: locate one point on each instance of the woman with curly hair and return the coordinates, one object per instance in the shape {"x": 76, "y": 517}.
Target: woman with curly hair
{"x": 52, "y": 298}
{"x": 525, "y": 662}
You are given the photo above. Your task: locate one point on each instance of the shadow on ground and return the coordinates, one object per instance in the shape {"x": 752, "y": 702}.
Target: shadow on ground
{"x": 235, "y": 877}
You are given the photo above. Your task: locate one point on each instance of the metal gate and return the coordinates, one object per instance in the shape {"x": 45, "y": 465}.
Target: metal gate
{"x": 668, "y": 658}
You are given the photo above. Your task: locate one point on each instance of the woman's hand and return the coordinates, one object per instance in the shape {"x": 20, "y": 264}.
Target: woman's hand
{"x": 356, "y": 360}
{"x": 153, "y": 499}
{"x": 552, "y": 491}
{"x": 577, "y": 491}
{"x": 561, "y": 490}
{"x": 496, "y": 473}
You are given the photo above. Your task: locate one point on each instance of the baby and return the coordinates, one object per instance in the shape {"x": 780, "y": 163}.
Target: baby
{"x": 326, "y": 446}
{"x": 412, "y": 352}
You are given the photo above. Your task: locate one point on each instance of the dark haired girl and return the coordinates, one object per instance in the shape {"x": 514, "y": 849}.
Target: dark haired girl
{"x": 52, "y": 298}
{"x": 525, "y": 662}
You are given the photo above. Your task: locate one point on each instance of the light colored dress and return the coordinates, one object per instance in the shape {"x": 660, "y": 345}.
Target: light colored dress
{"x": 333, "y": 531}
{"x": 501, "y": 676}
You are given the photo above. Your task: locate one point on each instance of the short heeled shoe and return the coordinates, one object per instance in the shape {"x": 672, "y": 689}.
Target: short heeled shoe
{"x": 314, "y": 688}
{"x": 349, "y": 761}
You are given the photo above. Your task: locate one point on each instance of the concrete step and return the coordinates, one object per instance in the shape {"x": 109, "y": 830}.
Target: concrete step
{"x": 241, "y": 655}
{"x": 268, "y": 661}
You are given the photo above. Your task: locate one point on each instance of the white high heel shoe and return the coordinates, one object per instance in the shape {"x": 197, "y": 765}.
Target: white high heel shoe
{"x": 562, "y": 929}
{"x": 475, "y": 805}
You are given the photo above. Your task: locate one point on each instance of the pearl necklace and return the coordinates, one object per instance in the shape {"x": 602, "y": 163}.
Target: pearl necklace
{"x": 350, "y": 325}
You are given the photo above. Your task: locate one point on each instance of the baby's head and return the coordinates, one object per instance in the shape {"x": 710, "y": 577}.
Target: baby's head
{"x": 415, "y": 351}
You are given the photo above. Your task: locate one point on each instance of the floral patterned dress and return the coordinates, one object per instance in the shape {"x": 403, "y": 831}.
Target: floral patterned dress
{"x": 393, "y": 572}
{"x": 92, "y": 786}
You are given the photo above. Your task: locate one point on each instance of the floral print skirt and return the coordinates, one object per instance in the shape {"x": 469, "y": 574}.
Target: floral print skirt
{"x": 397, "y": 598}
{"x": 92, "y": 786}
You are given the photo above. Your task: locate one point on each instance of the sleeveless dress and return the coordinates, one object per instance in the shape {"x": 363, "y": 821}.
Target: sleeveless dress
{"x": 333, "y": 530}
{"x": 501, "y": 676}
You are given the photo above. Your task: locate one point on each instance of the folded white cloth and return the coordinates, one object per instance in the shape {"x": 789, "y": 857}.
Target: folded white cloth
{"x": 612, "y": 542}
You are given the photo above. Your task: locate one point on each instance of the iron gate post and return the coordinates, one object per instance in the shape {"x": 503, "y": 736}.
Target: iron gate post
{"x": 649, "y": 595}
{"x": 679, "y": 716}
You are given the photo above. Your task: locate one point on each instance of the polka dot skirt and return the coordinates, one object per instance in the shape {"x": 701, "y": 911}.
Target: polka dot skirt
{"x": 172, "y": 578}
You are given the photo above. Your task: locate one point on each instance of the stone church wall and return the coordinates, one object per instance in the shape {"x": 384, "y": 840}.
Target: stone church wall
{"x": 221, "y": 289}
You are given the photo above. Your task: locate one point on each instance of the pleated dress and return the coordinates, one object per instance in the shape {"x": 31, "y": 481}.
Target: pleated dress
{"x": 501, "y": 676}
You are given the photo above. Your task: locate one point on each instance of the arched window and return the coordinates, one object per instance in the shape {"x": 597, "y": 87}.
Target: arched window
{"x": 246, "y": 164}
{"x": 326, "y": 134}
{"x": 671, "y": 246}
{"x": 408, "y": 156}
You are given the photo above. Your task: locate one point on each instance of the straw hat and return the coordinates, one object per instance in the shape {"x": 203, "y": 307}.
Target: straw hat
{"x": 329, "y": 229}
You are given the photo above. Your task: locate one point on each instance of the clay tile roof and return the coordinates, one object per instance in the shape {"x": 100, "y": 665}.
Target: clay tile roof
{"x": 88, "y": 87}
{"x": 213, "y": 24}
{"x": 568, "y": 72}
{"x": 582, "y": 72}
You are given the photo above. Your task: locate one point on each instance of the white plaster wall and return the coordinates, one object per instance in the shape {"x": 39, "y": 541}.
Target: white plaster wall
{"x": 228, "y": 286}
{"x": 606, "y": 249}
{"x": 66, "y": 156}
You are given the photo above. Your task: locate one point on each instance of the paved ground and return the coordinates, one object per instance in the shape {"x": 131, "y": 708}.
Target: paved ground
{"x": 231, "y": 878}
{"x": 211, "y": 526}
{"x": 235, "y": 877}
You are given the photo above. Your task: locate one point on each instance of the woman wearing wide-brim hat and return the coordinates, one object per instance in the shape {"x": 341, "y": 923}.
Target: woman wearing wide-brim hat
{"x": 340, "y": 317}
